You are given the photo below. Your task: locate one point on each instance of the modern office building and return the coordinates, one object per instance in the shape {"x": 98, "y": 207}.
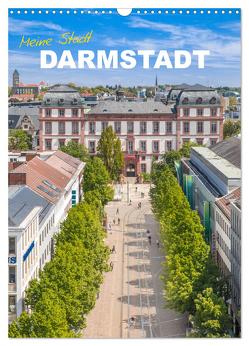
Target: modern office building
{"x": 41, "y": 191}
{"x": 228, "y": 247}
{"x": 31, "y": 227}
{"x": 209, "y": 174}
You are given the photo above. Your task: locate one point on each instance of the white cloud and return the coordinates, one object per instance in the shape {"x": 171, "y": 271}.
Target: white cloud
{"x": 24, "y": 27}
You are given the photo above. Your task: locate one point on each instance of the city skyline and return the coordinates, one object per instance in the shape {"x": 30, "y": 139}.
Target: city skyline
{"x": 219, "y": 33}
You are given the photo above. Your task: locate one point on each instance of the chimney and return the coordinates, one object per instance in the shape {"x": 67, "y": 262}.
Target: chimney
{"x": 17, "y": 178}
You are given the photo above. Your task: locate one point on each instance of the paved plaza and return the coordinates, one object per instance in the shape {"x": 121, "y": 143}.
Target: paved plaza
{"x": 131, "y": 304}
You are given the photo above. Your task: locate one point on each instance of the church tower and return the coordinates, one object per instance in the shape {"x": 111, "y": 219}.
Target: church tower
{"x": 16, "y": 81}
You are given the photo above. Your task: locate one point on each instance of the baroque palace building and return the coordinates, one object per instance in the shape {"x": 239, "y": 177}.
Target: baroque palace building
{"x": 147, "y": 129}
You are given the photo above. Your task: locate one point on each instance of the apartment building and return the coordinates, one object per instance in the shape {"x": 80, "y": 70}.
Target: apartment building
{"x": 30, "y": 229}
{"x": 41, "y": 191}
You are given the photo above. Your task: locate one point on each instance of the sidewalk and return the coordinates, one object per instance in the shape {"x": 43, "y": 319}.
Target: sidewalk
{"x": 133, "y": 288}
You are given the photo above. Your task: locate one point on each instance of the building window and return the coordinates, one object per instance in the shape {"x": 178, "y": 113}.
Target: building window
{"x": 75, "y": 127}
{"x": 199, "y": 111}
{"x": 185, "y": 140}
{"x": 12, "y": 245}
{"x": 61, "y": 112}
{"x": 143, "y": 127}
{"x": 143, "y": 167}
{"x": 186, "y": 127}
{"x": 48, "y": 128}
{"x": 169, "y": 127}
{"x": 155, "y": 126}
{"x": 213, "y": 112}
{"x": 199, "y": 126}
{"x": 130, "y": 127}
{"x": 199, "y": 141}
{"x": 104, "y": 125}
{"x": 213, "y": 127}
{"x": 12, "y": 304}
{"x": 61, "y": 142}
{"x": 75, "y": 112}
{"x": 48, "y": 144}
{"x": 48, "y": 112}
{"x": 155, "y": 146}
{"x": 91, "y": 127}
{"x": 143, "y": 158}
{"x": 186, "y": 112}
{"x": 12, "y": 275}
{"x": 199, "y": 100}
{"x": 168, "y": 145}
{"x": 130, "y": 147}
{"x": 61, "y": 128}
{"x": 143, "y": 146}
{"x": 117, "y": 126}
{"x": 91, "y": 147}
{"x": 213, "y": 141}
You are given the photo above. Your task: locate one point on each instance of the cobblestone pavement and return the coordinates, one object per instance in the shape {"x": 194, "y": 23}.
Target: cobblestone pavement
{"x": 133, "y": 289}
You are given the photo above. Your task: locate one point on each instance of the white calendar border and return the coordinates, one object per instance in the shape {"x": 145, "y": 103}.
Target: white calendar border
{"x": 113, "y": 4}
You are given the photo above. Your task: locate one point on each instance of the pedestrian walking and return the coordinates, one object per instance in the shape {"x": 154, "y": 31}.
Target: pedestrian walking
{"x": 130, "y": 202}
{"x": 118, "y": 221}
{"x": 149, "y": 239}
{"x": 148, "y": 231}
{"x": 157, "y": 243}
{"x": 117, "y": 211}
{"x": 113, "y": 249}
{"x": 114, "y": 221}
{"x": 136, "y": 188}
{"x": 111, "y": 266}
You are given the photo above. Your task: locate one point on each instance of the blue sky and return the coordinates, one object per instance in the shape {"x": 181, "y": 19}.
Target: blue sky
{"x": 219, "y": 33}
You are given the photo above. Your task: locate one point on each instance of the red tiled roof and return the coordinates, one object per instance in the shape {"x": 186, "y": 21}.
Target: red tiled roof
{"x": 44, "y": 179}
{"x": 224, "y": 203}
{"x": 64, "y": 163}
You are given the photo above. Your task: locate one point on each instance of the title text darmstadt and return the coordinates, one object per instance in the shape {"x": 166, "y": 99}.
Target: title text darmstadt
{"x": 126, "y": 59}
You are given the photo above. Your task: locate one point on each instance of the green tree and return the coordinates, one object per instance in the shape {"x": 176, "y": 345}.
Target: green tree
{"x": 110, "y": 151}
{"x": 188, "y": 268}
{"x": 211, "y": 318}
{"x": 19, "y": 140}
{"x": 76, "y": 150}
{"x": 231, "y": 128}
{"x": 232, "y": 101}
{"x": 97, "y": 178}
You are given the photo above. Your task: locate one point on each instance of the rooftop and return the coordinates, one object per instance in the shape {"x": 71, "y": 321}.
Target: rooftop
{"x": 229, "y": 149}
{"x": 224, "y": 166}
{"x": 16, "y": 114}
{"x": 64, "y": 163}
{"x": 224, "y": 203}
{"x": 149, "y": 107}
{"x": 62, "y": 95}
{"x": 42, "y": 178}
{"x": 22, "y": 200}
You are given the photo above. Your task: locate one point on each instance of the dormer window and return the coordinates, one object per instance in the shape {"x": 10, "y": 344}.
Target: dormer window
{"x": 212, "y": 100}
{"x": 185, "y": 100}
{"x": 130, "y": 110}
{"x": 199, "y": 100}
{"x": 104, "y": 110}
{"x": 155, "y": 110}
{"x": 61, "y": 101}
{"x": 75, "y": 101}
{"x": 48, "y": 101}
